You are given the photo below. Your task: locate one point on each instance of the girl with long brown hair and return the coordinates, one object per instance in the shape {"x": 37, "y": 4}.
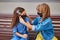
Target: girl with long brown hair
{"x": 19, "y": 29}
{"x": 42, "y": 24}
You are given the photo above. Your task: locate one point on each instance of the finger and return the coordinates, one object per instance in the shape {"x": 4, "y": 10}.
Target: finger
{"x": 20, "y": 17}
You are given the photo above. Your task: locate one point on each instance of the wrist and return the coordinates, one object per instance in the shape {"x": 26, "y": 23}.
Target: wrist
{"x": 24, "y": 23}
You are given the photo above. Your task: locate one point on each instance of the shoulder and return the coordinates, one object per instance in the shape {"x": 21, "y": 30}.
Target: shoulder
{"x": 37, "y": 18}
{"x": 47, "y": 20}
{"x": 27, "y": 18}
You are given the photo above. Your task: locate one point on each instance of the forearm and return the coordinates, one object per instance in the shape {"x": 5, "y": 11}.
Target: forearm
{"x": 18, "y": 34}
{"x": 21, "y": 35}
{"x": 29, "y": 26}
{"x": 30, "y": 18}
{"x": 28, "y": 29}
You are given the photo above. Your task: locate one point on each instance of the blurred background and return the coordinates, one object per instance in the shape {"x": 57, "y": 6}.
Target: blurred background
{"x": 7, "y": 6}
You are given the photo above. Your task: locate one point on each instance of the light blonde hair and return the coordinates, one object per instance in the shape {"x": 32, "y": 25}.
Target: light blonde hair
{"x": 44, "y": 8}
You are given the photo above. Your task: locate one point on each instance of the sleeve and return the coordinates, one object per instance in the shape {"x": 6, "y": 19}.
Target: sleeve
{"x": 35, "y": 21}
{"x": 27, "y": 20}
{"x": 14, "y": 29}
{"x": 41, "y": 26}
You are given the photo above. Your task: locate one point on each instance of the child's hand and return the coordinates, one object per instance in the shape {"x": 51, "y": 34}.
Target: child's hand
{"x": 24, "y": 35}
{"x": 21, "y": 20}
{"x": 20, "y": 35}
{"x": 27, "y": 15}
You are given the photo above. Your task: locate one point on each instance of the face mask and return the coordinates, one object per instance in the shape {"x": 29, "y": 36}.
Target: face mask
{"x": 23, "y": 16}
{"x": 40, "y": 14}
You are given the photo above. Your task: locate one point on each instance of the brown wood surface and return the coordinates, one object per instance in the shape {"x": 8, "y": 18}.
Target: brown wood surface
{"x": 6, "y": 30}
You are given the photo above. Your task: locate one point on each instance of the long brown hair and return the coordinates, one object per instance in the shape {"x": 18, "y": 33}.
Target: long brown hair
{"x": 15, "y": 17}
{"x": 45, "y": 10}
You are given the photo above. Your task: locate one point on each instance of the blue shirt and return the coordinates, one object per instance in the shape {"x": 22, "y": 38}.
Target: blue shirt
{"x": 45, "y": 27}
{"x": 20, "y": 28}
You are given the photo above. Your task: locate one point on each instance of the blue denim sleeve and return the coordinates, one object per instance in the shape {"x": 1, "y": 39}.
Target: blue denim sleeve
{"x": 42, "y": 26}
{"x": 27, "y": 19}
{"x": 35, "y": 21}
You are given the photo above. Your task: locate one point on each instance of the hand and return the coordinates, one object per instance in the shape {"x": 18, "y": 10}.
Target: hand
{"x": 20, "y": 35}
{"x": 24, "y": 35}
{"x": 21, "y": 20}
{"x": 27, "y": 15}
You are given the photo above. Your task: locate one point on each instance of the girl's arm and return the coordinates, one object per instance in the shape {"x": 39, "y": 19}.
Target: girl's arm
{"x": 41, "y": 26}
{"x": 28, "y": 29}
{"x": 29, "y": 26}
{"x": 20, "y": 35}
{"x": 29, "y": 18}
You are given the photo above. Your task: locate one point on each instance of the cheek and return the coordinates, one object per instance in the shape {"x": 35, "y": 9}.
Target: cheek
{"x": 40, "y": 10}
{"x": 23, "y": 13}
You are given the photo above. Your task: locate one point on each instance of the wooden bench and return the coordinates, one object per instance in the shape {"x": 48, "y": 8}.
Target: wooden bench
{"x": 6, "y": 30}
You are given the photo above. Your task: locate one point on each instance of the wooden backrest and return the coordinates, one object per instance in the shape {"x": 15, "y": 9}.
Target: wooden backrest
{"x": 6, "y": 31}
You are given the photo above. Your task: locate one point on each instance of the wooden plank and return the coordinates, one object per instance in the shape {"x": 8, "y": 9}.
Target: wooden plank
{"x": 6, "y": 31}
